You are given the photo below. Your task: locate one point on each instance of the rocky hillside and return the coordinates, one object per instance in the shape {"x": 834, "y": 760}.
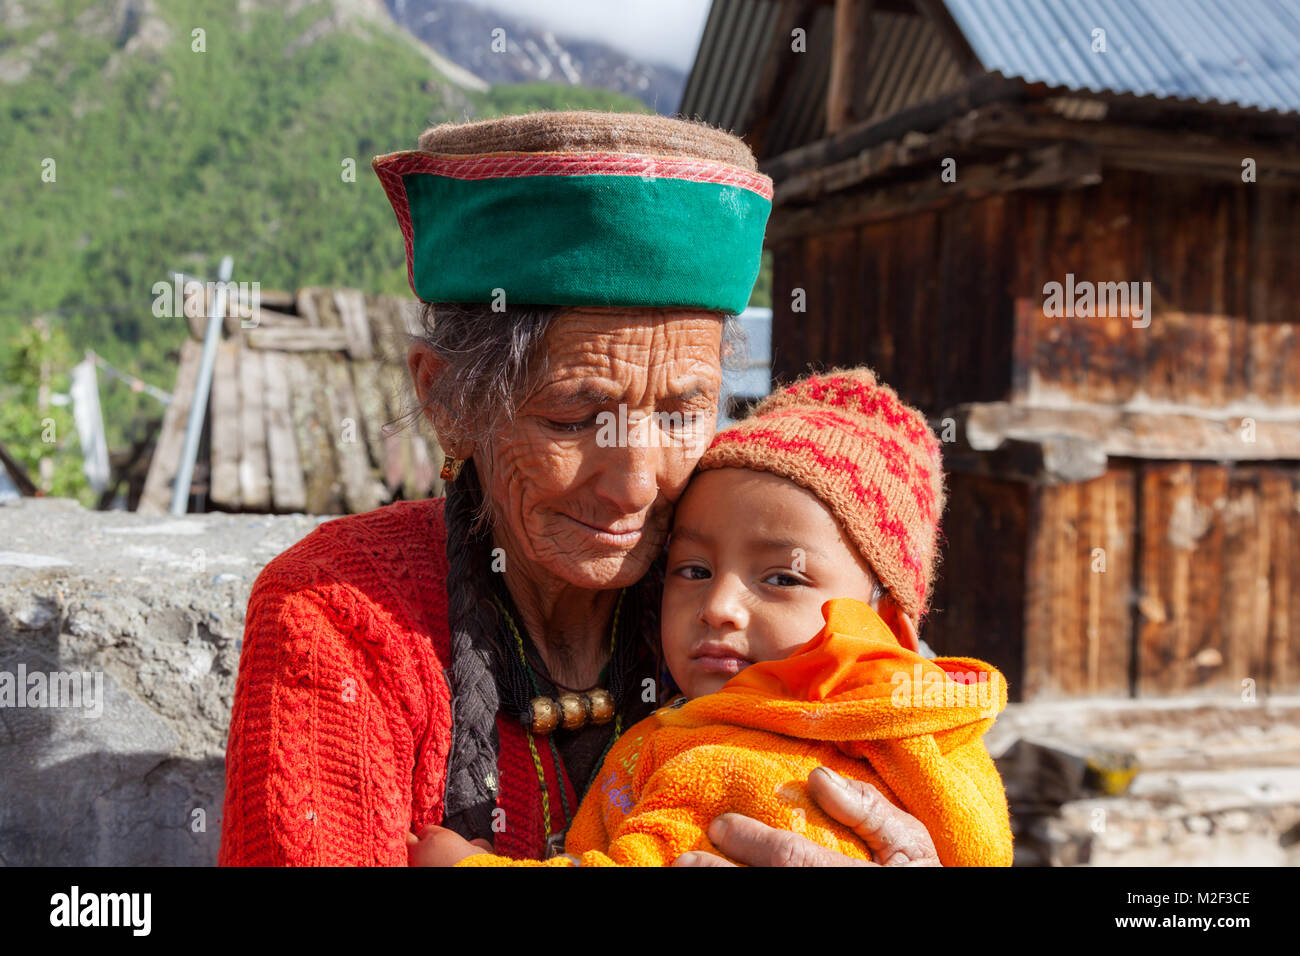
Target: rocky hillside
{"x": 529, "y": 52}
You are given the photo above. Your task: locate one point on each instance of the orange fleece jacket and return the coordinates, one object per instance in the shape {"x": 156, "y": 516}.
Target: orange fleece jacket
{"x": 851, "y": 699}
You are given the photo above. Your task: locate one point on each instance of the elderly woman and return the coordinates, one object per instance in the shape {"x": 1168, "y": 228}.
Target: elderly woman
{"x": 468, "y": 661}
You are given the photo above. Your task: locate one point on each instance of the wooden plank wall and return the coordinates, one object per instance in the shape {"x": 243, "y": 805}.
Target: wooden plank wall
{"x": 978, "y": 604}
{"x": 300, "y": 408}
{"x": 922, "y": 299}
{"x": 1215, "y": 577}
{"x": 1156, "y": 579}
{"x": 946, "y": 304}
{"x": 1078, "y": 618}
{"x": 1224, "y": 263}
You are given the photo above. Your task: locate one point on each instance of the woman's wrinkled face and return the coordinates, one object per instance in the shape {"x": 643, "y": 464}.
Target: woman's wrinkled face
{"x": 583, "y": 482}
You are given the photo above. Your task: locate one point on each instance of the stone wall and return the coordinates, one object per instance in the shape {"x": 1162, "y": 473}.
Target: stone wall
{"x": 151, "y": 611}
{"x": 141, "y": 620}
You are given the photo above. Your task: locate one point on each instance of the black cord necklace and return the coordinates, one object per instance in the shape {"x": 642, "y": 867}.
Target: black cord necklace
{"x": 570, "y": 710}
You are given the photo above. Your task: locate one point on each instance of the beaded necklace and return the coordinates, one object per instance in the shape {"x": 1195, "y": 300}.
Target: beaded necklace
{"x": 526, "y": 719}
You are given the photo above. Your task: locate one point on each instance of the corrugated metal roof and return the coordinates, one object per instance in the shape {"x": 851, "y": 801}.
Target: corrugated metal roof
{"x": 908, "y": 61}
{"x": 727, "y": 63}
{"x": 1242, "y": 52}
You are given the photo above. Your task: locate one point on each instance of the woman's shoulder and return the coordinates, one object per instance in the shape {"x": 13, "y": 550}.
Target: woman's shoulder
{"x": 390, "y": 562}
{"x": 405, "y": 534}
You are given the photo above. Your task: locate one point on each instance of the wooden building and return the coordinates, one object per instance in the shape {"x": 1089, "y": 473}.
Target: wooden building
{"x": 303, "y": 410}
{"x": 1124, "y": 489}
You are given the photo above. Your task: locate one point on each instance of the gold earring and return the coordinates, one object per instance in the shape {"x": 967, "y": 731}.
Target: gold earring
{"x": 451, "y": 468}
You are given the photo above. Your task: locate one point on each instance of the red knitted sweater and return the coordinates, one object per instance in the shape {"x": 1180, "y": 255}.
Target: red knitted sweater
{"x": 341, "y": 723}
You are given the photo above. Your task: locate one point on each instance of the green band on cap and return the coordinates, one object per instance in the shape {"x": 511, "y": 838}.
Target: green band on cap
{"x": 612, "y": 240}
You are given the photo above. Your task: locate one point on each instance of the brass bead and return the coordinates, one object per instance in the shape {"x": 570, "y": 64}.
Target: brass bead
{"x": 602, "y": 706}
{"x": 573, "y": 711}
{"x": 545, "y": 716}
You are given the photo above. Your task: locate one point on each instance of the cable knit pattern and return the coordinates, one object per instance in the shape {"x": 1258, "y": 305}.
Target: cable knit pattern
{"x": 341, "y": 723}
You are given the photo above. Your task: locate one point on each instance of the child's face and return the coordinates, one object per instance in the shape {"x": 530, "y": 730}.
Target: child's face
{"x": 751, "y": 559}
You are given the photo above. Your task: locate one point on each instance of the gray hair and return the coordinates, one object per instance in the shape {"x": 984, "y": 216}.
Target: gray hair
{"x": 495, "y": 359}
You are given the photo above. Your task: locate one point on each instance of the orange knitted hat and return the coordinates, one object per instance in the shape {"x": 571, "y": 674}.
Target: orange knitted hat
{"x": 871, "y": 459}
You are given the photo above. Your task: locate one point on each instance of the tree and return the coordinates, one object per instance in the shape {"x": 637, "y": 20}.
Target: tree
{"x": 41, "y": 435}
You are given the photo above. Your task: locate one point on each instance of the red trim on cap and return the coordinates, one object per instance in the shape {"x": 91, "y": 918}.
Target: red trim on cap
{"x": 508, "y": 165}
{"x": 390, "y": 177}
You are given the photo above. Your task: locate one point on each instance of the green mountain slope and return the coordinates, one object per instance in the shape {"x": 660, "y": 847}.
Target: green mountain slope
{"x": 165, "y": 159}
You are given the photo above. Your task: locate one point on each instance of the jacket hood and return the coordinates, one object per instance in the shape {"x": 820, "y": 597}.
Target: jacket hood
{"x": 854, "y": 682}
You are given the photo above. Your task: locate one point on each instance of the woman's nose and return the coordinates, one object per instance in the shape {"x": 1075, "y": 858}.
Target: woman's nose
{"x": 630, "y": 478}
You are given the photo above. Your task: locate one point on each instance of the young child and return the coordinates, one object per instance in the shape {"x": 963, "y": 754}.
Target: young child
{"x": 817, "y": 517}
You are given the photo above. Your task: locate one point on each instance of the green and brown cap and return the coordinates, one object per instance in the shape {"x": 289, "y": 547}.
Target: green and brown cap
{"x": 580, "y": 208}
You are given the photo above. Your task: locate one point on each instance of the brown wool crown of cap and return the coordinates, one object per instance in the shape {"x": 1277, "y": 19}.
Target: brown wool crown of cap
{"x": 587, "y": 131}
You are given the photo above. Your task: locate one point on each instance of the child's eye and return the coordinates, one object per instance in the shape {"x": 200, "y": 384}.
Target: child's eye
{"x": 783, "y": 579}
{"x": 692, "y": 572}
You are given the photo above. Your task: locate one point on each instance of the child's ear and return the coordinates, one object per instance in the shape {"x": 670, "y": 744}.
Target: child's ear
{"x": 900, "y": 622}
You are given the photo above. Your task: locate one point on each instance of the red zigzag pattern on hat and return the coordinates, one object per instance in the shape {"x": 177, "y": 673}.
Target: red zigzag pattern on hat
{"x": 895, "y": 457}
{"x": 867, "y": 496}
{"x": 870, "y": 402}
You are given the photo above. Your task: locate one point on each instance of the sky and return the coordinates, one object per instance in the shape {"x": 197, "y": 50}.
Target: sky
{"x": 660, "y": 31}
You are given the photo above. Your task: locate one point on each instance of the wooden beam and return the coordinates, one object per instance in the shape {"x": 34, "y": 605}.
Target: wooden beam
{"x": 157, "y": 494}
{"x": 891, "y": 156}
{"x": 313, "y": 430}
{"x": 397, "y": 442}
{"x": 1042, "y": 460}
{"x": 848, "y": 45}
{"x": 1056, "y": 166}
{"x": 1126, "y": 145}
{"x": 254, "y": 469}
{"x": 224, "y": 445}
{"x": 1013, "y": 117}
{"x": 306, "y": 305}
{"x": 288, "y": 492}
{"x": 370, "y": 400}
{"x": 360, "y": 491}
{"x": 389, "y": 348}
{"x": 300, "y": 339}
{"x": 1177, "y": 434}
{"x": 261, "y": 318}
{"x": 982, "y": 95}
{"x": 351, "y": 306}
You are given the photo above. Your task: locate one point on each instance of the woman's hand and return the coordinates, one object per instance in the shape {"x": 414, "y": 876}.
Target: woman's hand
{"x": 894, "y": 837}
{"x": 438, "y": 846}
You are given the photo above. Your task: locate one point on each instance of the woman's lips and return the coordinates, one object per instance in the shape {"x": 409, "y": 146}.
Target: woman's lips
{"x": 623, "y": 536}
